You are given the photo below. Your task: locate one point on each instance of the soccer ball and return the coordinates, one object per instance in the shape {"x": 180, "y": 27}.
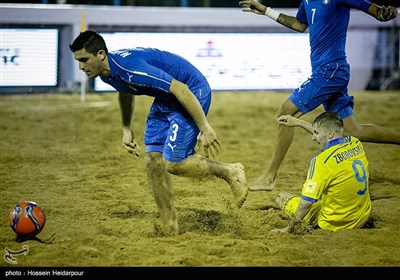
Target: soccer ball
{"x": 27, "y": 219}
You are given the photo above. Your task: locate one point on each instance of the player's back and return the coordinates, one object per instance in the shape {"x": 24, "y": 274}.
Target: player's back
{"x": 150, "y": 71}
{"x": 346, "y": 200}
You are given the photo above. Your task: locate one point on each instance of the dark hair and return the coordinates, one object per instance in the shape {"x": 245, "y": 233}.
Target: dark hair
{"x": 329, "y": 120}
{"x": 89, "y": 40}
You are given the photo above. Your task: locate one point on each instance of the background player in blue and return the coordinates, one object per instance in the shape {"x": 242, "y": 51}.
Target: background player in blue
{"x": 327, "y": 21}
{"x": 176, "y": 121}
{"x": 335, "y": 195}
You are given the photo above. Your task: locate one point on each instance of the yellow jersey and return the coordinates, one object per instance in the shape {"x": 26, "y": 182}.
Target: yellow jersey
{"x": 338, "y": 181}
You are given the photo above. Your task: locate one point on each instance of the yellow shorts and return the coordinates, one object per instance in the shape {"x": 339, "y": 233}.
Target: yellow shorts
{"x": 291, "y": 205}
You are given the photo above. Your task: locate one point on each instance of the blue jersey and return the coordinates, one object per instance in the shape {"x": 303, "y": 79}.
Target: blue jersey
{"x": 328, "y": 21}
{"x": 149, "y": 71}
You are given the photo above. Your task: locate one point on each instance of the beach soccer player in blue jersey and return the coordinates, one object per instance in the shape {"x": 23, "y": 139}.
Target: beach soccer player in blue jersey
{"x": 335, "y": 195}
{"x": 175, "y": 124}
{"x": 327, "y": 22}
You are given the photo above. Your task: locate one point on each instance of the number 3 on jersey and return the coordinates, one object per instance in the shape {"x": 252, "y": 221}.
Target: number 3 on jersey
{"x": 174, "y": 132}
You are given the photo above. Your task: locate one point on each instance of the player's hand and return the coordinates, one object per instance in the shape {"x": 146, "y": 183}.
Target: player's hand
{"x": 287, "y": 120}
{"x": 129, "y": 142}
{"x": 208, "y": 140}
{"x": 387, "y": 13}
{"x": 253, "y": 7}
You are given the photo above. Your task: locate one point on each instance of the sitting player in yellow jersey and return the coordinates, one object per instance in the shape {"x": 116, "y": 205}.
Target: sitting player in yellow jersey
{"x": 335, "y": 194}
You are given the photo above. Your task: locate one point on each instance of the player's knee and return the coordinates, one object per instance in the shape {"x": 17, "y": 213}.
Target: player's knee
{"x": 284, "y": 109}
{"x": 153, "y": 160}
{"x": 171, "y": 167}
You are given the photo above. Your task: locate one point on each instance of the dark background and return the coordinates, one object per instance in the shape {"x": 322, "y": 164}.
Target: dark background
{"x": 188, "y": 3}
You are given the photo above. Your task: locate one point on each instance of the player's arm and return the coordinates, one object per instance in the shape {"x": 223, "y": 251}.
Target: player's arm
{"x": 207, "y": 138}
{"x": 286, "y": 20}
{"x": 127, "y": 106}
{"x": 289, "y": 120}
{"x": 301, "y": 211}
{"x": 382, "y": 13}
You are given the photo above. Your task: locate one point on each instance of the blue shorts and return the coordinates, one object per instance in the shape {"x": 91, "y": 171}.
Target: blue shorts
{"x": 327, "y": 86}
{"x": 171, "y": 131}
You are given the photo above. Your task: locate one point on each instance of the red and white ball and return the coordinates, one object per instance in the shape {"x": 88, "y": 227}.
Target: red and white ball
{"x": 27, "y": 219}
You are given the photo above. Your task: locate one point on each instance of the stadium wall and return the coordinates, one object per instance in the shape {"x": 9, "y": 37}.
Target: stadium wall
{"x": 362, "y": 40}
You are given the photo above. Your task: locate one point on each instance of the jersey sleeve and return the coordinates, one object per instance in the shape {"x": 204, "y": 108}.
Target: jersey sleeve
{"x": 362, "y": 5}
{"x": 301, "y": 14}
{"x": 318, "y": 177}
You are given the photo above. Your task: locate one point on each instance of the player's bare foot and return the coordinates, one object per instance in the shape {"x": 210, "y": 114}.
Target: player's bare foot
{"x": 261, "y": 184}
{"x": 238, "y": 184}
{"x": 166, "y": 228}
{"x": 170, "y": 228}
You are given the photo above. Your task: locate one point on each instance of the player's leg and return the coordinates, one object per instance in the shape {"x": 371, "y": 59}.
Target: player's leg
{"x": 159, "y": 179}
{"x": 319, "y": 88}
{"x": 180, "y": 158}
{"x": 370, "y": 132}
{"x": 163, "y": 193}
{"x": 201, "y": 167}
{"x": 343, "y": 105}
{"x": 288, "y": 202}
{"x": 283, "y": 140}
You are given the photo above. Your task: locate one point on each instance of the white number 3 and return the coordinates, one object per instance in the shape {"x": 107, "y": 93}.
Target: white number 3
{"x": 174, "y": 132}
